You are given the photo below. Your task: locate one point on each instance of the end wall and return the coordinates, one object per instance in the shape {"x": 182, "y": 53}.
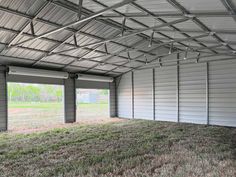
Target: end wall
{"x": 201, "y": 93}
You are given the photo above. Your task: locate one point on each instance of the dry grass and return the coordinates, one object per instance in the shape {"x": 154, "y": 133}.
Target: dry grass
{"x": 126, "y": 148}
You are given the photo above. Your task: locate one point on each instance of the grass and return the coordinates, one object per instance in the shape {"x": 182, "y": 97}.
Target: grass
{"x": 127, "y": 148}
{"x": 50, "y": 105}
{"x": 36, "y": 115}
{"x": 36, "y": 105}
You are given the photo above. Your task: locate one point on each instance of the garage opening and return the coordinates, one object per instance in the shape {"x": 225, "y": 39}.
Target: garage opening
{"x": 32, "y": 106}
{"x": 92, "y": 105}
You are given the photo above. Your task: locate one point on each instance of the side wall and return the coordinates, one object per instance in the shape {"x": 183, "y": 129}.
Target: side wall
{"x": 143, "y": 94}
{"x": 201, "y": 93}
{"x": 166, "y": 94}
{"x": 70, "y": 86}
{"x": 192, "y": 93}
{"x": 124, "y": 96}
{"x": 222, "y": 93}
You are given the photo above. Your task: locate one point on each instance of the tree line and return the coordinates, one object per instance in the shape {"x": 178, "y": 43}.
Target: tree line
{"x": 18, "y": 92}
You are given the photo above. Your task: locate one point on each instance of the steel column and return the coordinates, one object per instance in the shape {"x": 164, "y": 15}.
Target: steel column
{"x": 154, "y": 93}
{"x": 70, "y": 100}
{"x": 207, "y": 93}
{"x": 177, "y": 88}
{"x": 3, "y": 100}
{"x": 132, "y": 82}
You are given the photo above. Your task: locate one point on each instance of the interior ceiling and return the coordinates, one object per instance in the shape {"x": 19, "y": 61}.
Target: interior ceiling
{"x": 116, "y": 36}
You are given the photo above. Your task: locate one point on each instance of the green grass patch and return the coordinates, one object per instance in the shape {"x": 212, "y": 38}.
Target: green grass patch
{"x": 53, "y": 105}
{"x": 36, "y": 105}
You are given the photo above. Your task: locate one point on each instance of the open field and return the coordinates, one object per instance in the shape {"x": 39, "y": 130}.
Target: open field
{"x": 55, "y": 105}
{"x": 34, "y": 115}
{"x": 92, "y": 112}
{"x": 124, "y": 148}
{"x": 24, "y": 116}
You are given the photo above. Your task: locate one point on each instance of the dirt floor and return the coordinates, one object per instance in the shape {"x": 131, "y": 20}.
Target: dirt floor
{"x": 131, "y": 148}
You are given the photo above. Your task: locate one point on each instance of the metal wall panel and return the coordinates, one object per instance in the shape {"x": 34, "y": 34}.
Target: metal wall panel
{"x": 92, "y": 85}
{"x": 34, "y": 80}
{"x": 222, "y": 93}
{"x": 112, "y": 100}
{"x": 166, "y": 94}
{"x": 143, "y": 94}
{"x": 3, "y": 101}
{"x": 70, "y": 101}
{"x": 124, "y": 92}
{"x": 192, "y": 93}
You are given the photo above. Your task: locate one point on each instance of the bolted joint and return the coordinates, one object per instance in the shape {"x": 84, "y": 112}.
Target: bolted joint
{"x": 224, "y": 43}
{"x": 190, "y": 16}
{"x": 212, "y": 33}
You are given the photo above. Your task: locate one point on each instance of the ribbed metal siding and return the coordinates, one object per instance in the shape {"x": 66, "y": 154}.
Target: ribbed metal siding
{"x": 192, "y": 93}
{"x": 222, "y": 93}
{"x": 92, "y": 85}
{"x": 124, "y": 92}
{"x": 143, "y": 94}
{"x": 3, "y": 101}
{"x": 166, "y": 94}
{"x": 33, "y": 80}
{"x": 70, "y": 101}
{"x": 112, "y": 98}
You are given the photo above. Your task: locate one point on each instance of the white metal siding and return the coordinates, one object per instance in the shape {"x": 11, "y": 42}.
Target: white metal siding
{"x": 143, "y": 94}
{"x": 166, "y": 94}
{"x": 70, "y": 101}
{"x": 197, "y": 96}
{"x": 3, "y": 102}
{"x": 124, "y": 92}
{"x": 222, "y": 93}
{"x": 192, "y": 93}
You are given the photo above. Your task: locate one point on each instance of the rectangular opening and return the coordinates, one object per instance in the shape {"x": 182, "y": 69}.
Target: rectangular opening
{"x": 92, "y": 105}
{"x": 32, "y": 106}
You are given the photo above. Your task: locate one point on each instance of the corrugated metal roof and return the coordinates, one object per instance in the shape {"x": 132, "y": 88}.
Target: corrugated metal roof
{"x": 157, "y": 6}
{"x": 203, "y": 5}
{"x": 205, "y": 16}
{"x": 225, "y": 23}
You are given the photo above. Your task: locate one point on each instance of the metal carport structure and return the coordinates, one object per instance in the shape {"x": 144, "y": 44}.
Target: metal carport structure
{"x": 173, "y": 60}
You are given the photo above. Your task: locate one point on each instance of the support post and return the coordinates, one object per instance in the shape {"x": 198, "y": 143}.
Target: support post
{"x": 132, "y": 81}
{"x": 207, "y": 93}
{"x": 153, "y": 94}
{"x": 70, "y": 100}
{"x": 3, "y": 100}
{"x": 177, "y": 89}
{"x": 112, "y": 100}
